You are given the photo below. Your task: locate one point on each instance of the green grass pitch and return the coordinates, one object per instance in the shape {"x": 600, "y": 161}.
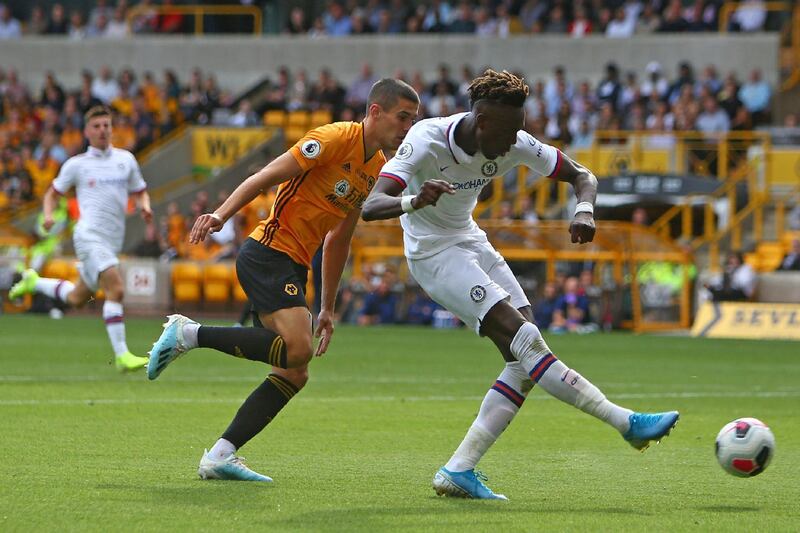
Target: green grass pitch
{"x": 84, "y": 448}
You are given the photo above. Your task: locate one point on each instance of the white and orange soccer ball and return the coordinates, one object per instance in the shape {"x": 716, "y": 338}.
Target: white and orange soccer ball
{"x": 745, "y": 447}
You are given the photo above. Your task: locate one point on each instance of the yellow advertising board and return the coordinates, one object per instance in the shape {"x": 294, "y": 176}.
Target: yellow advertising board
{"x": 742, "y": 320}
{"x": 216, "y": 148}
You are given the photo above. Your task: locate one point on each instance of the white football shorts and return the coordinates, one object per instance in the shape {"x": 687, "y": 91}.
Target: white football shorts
{"x": 94, "y": 257}
{"x": 468, "y": 279}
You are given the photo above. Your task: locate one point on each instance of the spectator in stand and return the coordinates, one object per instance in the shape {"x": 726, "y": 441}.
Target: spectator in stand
{"x": 649, "y": 21}
{"x": 710, "y": 79}
{"x": 152, "y": 244}
{"x": 755, "y": 95}
{"x": 738, "y": 281}
{"x": 485, "y": 25}
{"x": 655, "y": 82}
{"x": 77, "y": 28}
{"x": 327, "y": 94}
{"x": 58, "y": 24}
{"x": 245, "y": 116}
{"x": 791, "y": 261}
{"x": 10, "y": 28}
{"x": 170, "y": 22}
{"x": 336, "y": 21}
{"x": 298, "y": 93}
{"x": 546, "y": 306}
{"x": 146, "y": 21}
{"x": 104, "y": 87}
{"x": 685, "y": 78}
{"x": 712, "y": 120}
{"x": 420, "y": 310}
{"x": 99, "y": 28}
{"x": 556, "y": 20}
{"x": 37, "y": 23}
{"x": 572, "y": 309}
{"x": 380, "y": 304}
{"x": 728, "y": 96}
{"x": 581, "y": 24}
{"x": 117, "y": 27}
{"x": 749, "y": 16}
{"x": 359, "y": 90}
{"x": 297, "y": 25}
{"x": 277, "y": 93}
{"x": 622, "y": 26}
{"x": 609, "y": 88}
{"x": 442, "y": 103}
{"x": 438, "y": 16}
{"x": 673, "y": 21}
{"x": 464, "y": 21}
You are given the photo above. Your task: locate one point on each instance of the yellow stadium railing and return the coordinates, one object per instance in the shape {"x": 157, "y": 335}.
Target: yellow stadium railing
{"x": 620, "y": 246}
{"x": 199, "y": 11}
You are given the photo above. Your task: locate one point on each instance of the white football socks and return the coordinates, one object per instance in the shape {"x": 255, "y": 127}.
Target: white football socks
{"x": 221, "y": 450}
{"x": 499, "y": 407}
{"x": 562, "y": 382}
{"x": 190, "y": 335}
{"x": 115, "y": 326}
{"x": 58, "y": 289}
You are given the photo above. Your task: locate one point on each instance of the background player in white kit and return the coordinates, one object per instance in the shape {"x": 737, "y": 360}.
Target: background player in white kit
{"x": 103, "y": 178}
{"x": 450, "y": 257}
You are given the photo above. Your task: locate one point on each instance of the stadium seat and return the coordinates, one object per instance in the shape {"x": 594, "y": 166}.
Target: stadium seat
{"x": 754, "y": 260}
{"x": 61, "y": 269}
{"x": 186, "y": 283}
{"x": 216, "y": 283}
{"x": 320, "y": 117}
{"x": 275, "y": 117}
{"x": 238, "y": 293}
{"x": 292, "y": 134}
{"x": 770, "y": 255}
{"x": 298, "y": 119}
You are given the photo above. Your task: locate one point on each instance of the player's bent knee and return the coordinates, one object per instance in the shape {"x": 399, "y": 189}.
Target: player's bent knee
{"x": 298, "y": 352}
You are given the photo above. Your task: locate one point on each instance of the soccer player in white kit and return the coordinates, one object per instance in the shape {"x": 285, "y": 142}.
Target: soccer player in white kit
{"x": 103, "y": 178}
{"x": 432, "y": 184}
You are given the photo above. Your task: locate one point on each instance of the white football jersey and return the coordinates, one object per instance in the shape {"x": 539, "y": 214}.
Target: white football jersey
{"x": 429, "y": 151}
{"x": 102, "y": 181}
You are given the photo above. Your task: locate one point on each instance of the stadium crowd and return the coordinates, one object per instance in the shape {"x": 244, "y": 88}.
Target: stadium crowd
{"x": 499, "y": 18}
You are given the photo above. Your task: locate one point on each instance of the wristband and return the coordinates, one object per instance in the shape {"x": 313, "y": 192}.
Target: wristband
{"x": 584, "y": 207}
{"x": 405, "y": 204}
{"x": 217, "y": 217}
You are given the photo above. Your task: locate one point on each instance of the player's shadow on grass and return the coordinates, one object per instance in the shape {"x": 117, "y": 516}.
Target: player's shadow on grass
{"x": 729, "y": 509}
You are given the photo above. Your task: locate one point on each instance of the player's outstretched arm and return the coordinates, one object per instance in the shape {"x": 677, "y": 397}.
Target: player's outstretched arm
{"x": 383, "y": 202}
{"x": 279, "y": 170}
{"x": 582, "y": 228}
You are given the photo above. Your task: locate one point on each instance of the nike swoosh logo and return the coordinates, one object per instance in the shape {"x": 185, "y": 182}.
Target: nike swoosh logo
{"x": 442, "y": 169}
{"x": 532, "y": 143}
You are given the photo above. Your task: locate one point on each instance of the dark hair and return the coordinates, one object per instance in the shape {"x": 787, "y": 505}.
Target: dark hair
{"x": 501, "y": 87}
{"x": 96, "y": 111}
{"x": 387, "y": 91}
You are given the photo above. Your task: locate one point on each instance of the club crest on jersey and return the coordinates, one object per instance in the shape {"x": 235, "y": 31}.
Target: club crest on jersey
{"x": 489, "y": 169}
{"x": 405, "y": 151}
{"x": 290, "y": 289}
{"x": 311, "y": 149}
{"x": 341, "y": 188}
{"x": 477, "y": 293}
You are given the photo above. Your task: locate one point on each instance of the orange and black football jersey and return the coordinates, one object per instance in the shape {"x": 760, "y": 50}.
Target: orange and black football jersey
{"x": 335, "y": 179}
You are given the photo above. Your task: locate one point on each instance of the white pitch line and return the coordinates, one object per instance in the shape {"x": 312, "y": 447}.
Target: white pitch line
{"x": 398, "y": 399}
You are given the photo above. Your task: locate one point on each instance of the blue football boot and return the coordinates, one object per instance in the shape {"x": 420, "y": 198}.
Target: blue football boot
{"x": 231, "y": 468}
{"x": 169, "y": 346}
{"x": 467, "y": 484}
{"x": 646, "y": 427}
